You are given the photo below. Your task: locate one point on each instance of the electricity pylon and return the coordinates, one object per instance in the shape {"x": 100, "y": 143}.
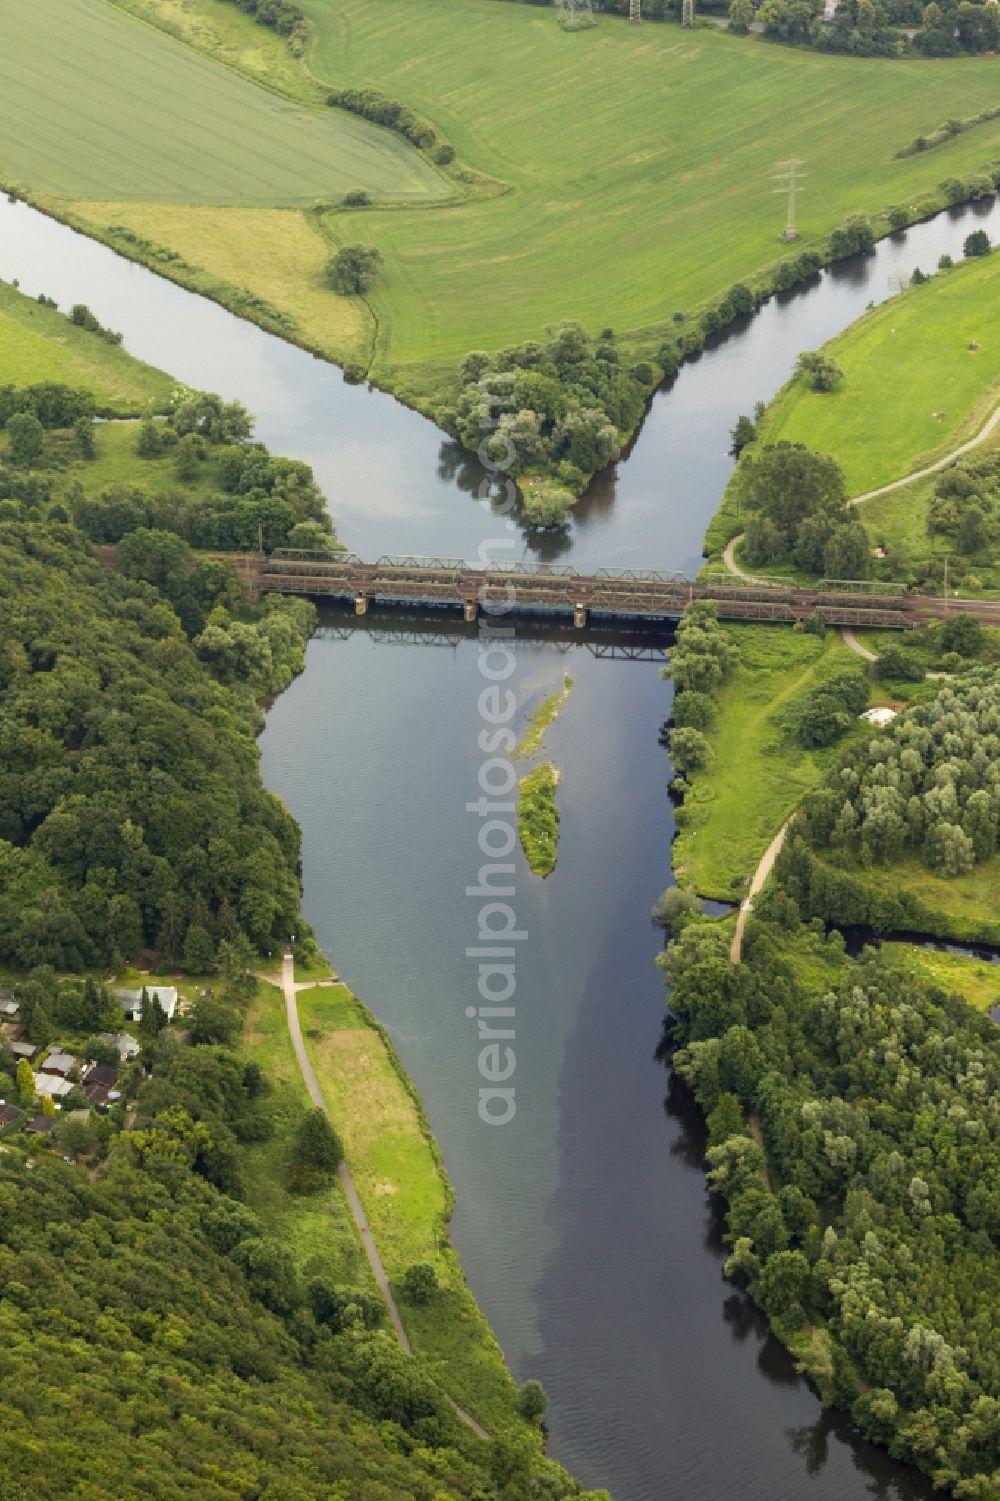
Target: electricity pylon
{"x": 790, "y": 182}
{"x": 634, "y": 12}
{"x": 575, "y": 15}
{"x": 687, "y": 14}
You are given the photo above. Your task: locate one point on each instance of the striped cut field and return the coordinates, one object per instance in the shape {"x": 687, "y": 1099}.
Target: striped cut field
{"x": 96, "y": 104}
{"x": 640, "y": 159}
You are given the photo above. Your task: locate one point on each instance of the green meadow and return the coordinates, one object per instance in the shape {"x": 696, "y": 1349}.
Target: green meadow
{"x": 40, "y": 344}
{"x": 758, "y": 774}
{"x": 975, "y": 979}
{"x": 631, "y": 196}
{"x": 590, "y": 182}
{"x": 922, "y": 374}
{"x": 111, "y": 108}
{"x": 400, "y": 1179}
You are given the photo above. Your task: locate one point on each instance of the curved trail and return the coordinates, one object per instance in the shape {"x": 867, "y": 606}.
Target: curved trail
{"x": 897, "y": 484}
{"x": 988, "y": 427}
{"x": 354, "y": 1204}
{"x": 760, "y": 875}
{"x": 849, "y": 639}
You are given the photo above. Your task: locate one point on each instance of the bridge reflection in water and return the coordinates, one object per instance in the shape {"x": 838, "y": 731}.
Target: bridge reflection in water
{"x": 553, "y": 590}
{"x": 607, "y": 640}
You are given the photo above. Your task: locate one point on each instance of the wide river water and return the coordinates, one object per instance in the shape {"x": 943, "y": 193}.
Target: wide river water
{"x": 584, "y": 1225}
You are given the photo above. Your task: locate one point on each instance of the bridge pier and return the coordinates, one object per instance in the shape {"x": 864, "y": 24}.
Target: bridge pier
{"x": 579, "y": 616}
{"x": 361, "y": 604}
{"x": 470, "y": 610}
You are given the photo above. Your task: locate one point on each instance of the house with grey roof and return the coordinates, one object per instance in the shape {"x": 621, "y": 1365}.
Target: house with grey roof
{"x": 57, "y": 1062}
{"x": 125, "y": 1045}
{"x": 131, "y": 1000}
{"x": 52, "y": 1087}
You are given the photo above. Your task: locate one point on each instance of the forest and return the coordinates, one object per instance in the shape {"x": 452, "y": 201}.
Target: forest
{"x": 928, "y": 782}
{"x": 132, "y": 815}
{"x": 855, "y": 1136}
{"x": 156, "y": 1339}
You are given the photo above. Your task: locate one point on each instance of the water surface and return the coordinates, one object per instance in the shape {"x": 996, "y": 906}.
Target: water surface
{"x": 583, "y": 1225}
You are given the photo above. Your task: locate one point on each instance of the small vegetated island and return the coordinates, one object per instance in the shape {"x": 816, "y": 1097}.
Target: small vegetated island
{"x": 180, "y": 1259}
{"x": 382, "y": 141}
{"x": 537, "y": 812}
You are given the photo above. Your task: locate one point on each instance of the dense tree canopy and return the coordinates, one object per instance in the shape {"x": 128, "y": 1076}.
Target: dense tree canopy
{"x": 868, "y": 1222}
{"x": 929, "y": 783}
{"x": 128, "y": 770}
{"x": 559, "y": 408}
{"x": 798, "y": 508}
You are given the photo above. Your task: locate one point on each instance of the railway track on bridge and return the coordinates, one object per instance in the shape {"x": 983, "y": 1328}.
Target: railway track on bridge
{"x": 639, "y": 594}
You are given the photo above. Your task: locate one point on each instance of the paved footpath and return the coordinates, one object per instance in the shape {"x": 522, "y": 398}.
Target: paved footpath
{"x": 291, "y": 990}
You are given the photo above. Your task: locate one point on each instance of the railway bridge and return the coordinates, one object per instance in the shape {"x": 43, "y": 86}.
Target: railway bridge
{"x": 556, "y": 589}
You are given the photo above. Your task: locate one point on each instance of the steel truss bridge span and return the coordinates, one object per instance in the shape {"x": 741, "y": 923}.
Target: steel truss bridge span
{"x": 640, "y": 594}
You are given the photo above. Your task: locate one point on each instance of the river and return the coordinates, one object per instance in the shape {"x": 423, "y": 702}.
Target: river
{"x": 583, "y": 1225}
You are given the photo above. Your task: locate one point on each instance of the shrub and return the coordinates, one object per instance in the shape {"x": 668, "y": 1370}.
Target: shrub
{"x": 694, "y": 709}
{"x": 978, "y": 243}
{"x": 317, "y": 1145}
{"x": 547, "y": 507}
{"x": 353, "y": 269}
{"x": 894, "y": 663}
{"x": 819, "y": 372}
{"x": 676, "y": 903}
{"x": 444, "y": 155}
{"x": 689, "y": 750}
{"x": 962, "y": 633}
{"x": 532, "y": 1401}
{"x": 356, "y": 198}
{"x": 419, "y": 1282}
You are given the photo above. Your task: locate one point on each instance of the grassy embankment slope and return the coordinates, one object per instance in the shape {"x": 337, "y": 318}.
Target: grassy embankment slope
{"x": 399, "y": 1176}
{"x": 975, "y": 979}
{"x": 401, "y": 1181}
{"x": 589, "y": 132}
{"x": 922, "y": 376}
{"x": 758, "y": 773}
{"x": 39, "y": 344}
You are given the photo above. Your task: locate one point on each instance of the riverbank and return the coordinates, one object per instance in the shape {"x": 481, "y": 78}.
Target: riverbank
{"x": 758, "y": 773}
{"x": 265, "y": 261}
{"x": 912, "y": 425}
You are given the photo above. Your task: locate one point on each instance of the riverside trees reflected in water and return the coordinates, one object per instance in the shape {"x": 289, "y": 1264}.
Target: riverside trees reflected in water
{"x": 584, "y": 1225}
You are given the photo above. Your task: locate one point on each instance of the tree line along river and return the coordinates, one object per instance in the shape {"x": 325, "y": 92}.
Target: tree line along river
{"x": 583, "y": 1225}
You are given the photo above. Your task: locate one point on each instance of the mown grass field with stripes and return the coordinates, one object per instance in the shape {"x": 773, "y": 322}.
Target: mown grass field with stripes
{"x": 633, "y": 166}
{"x": 97, "y": 104}
{"x": 640, "y": 159}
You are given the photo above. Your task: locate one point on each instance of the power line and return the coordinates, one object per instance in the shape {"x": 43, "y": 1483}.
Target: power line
{"x": 790, "y": 179}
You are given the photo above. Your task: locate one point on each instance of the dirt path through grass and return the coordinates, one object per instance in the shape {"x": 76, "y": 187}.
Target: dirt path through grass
{"x": 346, "y": 1178}
{"x": 354, "y": 1203}
{"x": 760, "y": 875}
